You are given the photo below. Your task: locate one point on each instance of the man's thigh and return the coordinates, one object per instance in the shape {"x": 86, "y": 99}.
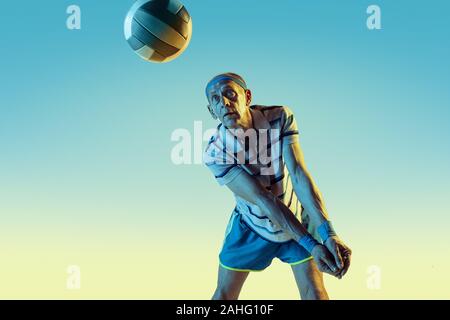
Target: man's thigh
{"x": 229, "y": 283}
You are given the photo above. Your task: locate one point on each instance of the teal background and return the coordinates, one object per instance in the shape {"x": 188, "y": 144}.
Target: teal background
{"x": 86, "y": 176}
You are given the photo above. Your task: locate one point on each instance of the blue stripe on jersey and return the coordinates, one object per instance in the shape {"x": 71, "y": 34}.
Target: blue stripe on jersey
{"x": 270, "y": 108}
{"x": 289, "y": 133}
{"x": 275, "y": 140}
{"x": 225, "y": 172}
{"x": 289, "y": 119}
{"x": 213, "y": 138}
{"x": 265, "y": 229}
{"x": 280, "y": 158}
{"x": 290, "y": 200}
{"x": 274, "y": 121}
{"x": 254, "y": 214}
{"x": 287, "y": 179}
{"x": 277, "y": 179}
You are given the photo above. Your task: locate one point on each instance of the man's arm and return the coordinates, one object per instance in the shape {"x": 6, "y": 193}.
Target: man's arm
{"x": 311, "y": 199}
{"x": 304, "y": 186}
{"x": 248, "y": 188}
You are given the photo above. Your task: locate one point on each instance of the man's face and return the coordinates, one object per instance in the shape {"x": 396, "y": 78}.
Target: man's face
{"x": 229, "y": 103}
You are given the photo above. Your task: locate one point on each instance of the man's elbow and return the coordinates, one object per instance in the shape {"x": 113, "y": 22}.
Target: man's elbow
{"x": 300, "y": 177}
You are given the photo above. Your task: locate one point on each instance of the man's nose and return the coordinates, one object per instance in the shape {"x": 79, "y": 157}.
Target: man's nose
{"x": 224, "y": 101}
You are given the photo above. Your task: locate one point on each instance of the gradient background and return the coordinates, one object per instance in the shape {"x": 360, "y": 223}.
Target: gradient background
{"x": 86, "y": 176}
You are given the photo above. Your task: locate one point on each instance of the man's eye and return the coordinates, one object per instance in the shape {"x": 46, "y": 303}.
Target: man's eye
{"x": 231, "y": 93}
{"x": 215, "y": 98}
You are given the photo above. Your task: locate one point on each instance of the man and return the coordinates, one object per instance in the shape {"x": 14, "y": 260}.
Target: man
{"x": 256, "y": 153}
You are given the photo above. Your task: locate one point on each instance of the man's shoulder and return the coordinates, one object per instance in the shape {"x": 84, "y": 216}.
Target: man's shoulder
{"x": 212, "y": 142}
{"x": 273, "y": 113}
{"x": 266, "y": 109}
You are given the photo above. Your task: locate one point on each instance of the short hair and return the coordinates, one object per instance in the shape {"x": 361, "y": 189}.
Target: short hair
{"x": 226, "y": 76}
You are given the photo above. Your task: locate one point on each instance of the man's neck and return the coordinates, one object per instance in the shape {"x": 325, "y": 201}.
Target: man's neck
{"x": 247, "y": 122}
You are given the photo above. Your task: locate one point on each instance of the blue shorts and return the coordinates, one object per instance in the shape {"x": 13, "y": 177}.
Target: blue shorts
{"x": 245, "y": 250}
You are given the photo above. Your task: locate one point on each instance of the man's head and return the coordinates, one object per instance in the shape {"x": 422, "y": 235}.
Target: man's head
{"x": 229, "y": 100}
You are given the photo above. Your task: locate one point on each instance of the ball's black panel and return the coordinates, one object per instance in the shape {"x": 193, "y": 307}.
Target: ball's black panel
{"x": 159, "y": 10}
{"x": 160, "y": 29}
{"x": 149, "y": 39}
{"x": 135, "y": 44}
{"x": 183, "y": 14}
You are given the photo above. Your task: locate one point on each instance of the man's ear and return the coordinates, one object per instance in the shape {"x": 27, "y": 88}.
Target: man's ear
{"x": 211, "y": 112}
{"x": 248, "y": 96}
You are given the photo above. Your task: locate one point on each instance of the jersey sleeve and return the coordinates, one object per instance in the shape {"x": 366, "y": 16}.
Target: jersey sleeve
{"x": 289, "y": 129}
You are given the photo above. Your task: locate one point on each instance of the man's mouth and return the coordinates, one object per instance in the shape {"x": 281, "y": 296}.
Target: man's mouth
{"x": 229, "y": 114}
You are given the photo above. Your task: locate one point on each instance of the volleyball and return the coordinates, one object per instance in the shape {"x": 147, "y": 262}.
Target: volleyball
{"x": 158, "y": 30}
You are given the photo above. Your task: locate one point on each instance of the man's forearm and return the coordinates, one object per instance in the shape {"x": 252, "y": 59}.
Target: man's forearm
{"x": 310, "y": 197}
{"x": 280, "y": 214}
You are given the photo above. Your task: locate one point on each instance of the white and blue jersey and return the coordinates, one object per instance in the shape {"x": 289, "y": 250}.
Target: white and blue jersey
{"x": 229, "y": 153}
